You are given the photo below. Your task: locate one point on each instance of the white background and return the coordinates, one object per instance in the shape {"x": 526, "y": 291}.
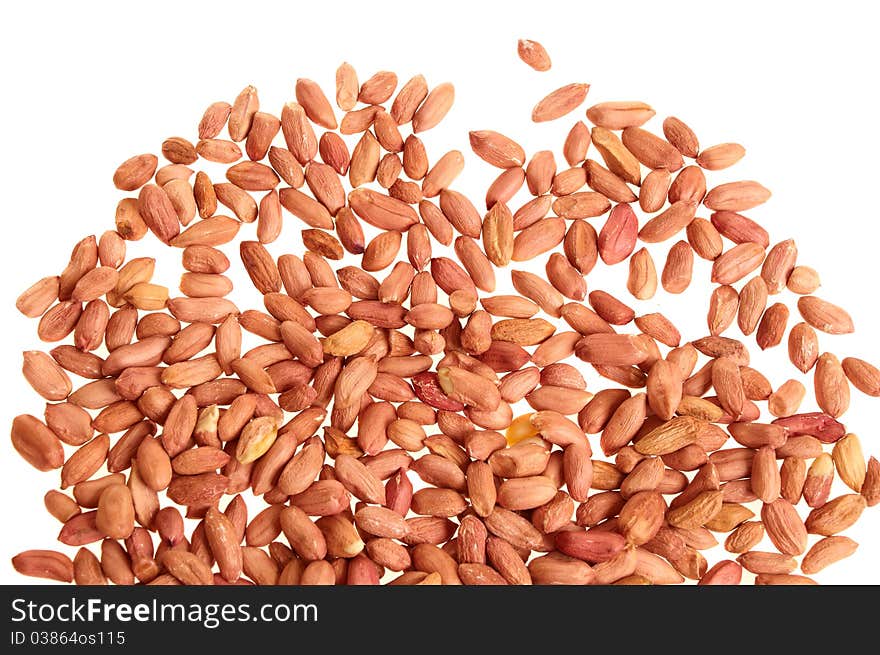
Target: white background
{"x": 85, "y": 87}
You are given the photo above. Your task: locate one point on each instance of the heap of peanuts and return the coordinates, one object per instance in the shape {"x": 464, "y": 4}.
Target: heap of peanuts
{"x": 373, "y": 415}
